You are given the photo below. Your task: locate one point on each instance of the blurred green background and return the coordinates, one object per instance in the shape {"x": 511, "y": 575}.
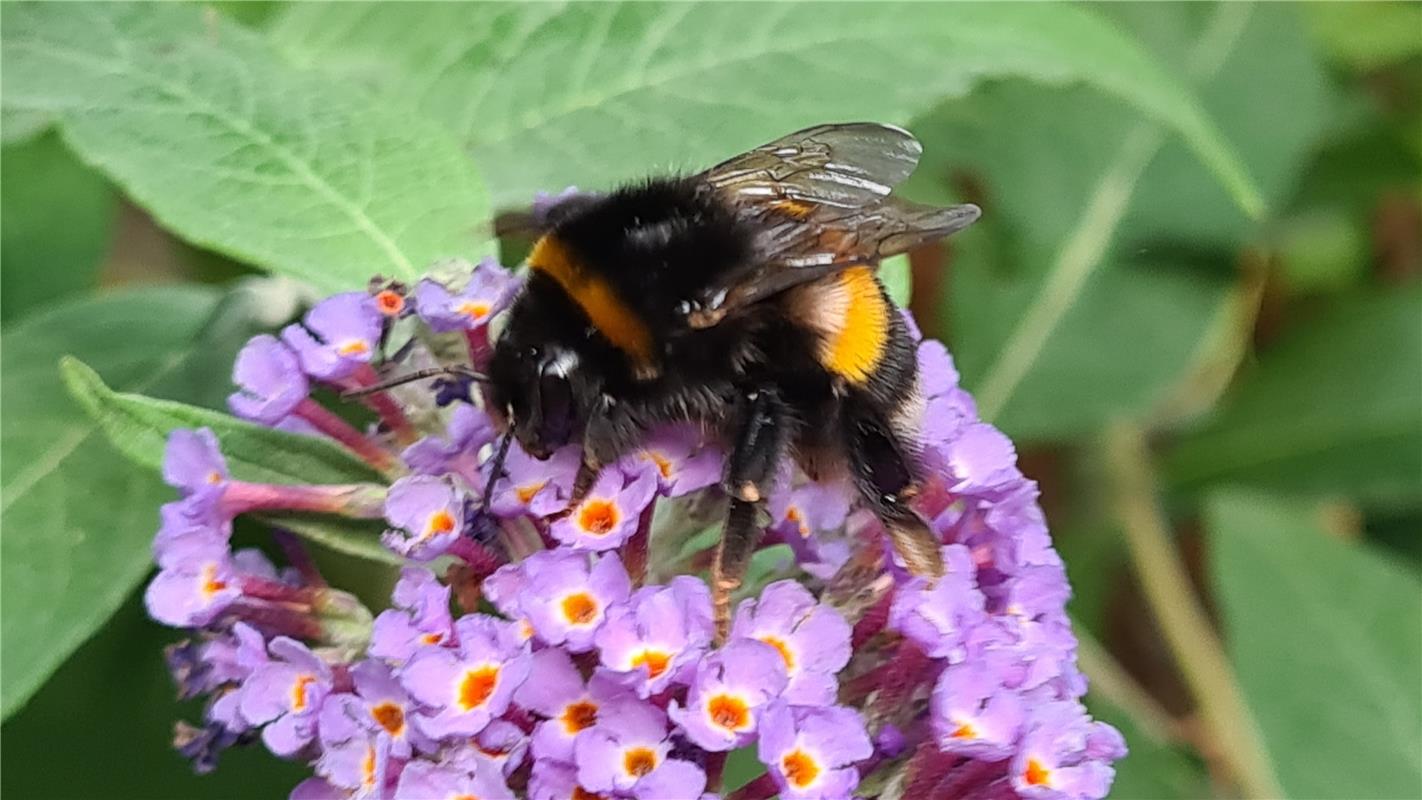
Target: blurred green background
{"x": 1193, "y": 300}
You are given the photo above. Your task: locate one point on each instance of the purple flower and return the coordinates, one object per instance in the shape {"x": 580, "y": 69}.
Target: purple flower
{"x": 501, "y": 743}
{"x": 973, "y": 712}
{"x": 424, "y": 780}
{"x": 1065, "y": 755}
{"x": 939, "y": 616}
{"x": 812, "y": 639}
{"x": 565, "y": 598}
{"x": 420, "y": 617}
{"x": 270, "y": 383}
{"x": 193, "y": 463}
{"x": 811, "y": 750}
{"x": 466, "y": 688}
{"x": 937, "y": 374}
{"x": 980, "y": 461}
{"x": 359, "y": 763}
{"x": 469, "y": 429}
{"x": 556, "y": 692}
{"x": 337, "y": 336}
{"x": 807, "y": 509}
{"x": 556, "y": 780}
{"x": 678, "y": 459}
{"x": 658, "y": 635}
{"x": 428, "y": 511}
{"x": 609, "y": 515}
{"x": 317, "y": 789}
{"x": 535, "y": 487}
{"x": 731, "y": 687}
{"x": 489, "y": 290}
{"x": 379, "y": 706}
{"x": 197, "y": 582}
{"x": 628, "y": 752}
{"x": 286, "y": 692}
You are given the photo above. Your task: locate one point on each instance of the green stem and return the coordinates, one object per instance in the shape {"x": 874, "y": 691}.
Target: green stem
{"x": 1187, "y": 629}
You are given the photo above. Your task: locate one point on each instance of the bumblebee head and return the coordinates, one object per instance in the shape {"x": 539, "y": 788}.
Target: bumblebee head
{"x": 541, "y": 390}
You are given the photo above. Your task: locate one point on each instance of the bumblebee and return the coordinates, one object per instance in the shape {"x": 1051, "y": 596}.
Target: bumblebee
{"x": 744, "y": 299}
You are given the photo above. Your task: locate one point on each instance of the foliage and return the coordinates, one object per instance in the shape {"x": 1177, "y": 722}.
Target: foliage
{"x": 1204, "y": 219}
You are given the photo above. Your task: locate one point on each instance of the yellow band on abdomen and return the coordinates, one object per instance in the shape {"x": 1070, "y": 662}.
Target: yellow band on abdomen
{"x": 855, "y": 350}
{"x": 619, "y": 324}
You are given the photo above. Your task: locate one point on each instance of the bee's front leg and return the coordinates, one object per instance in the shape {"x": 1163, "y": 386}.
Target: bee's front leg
{"x": 605, "y": 440}
{"x": 750, "y": 473}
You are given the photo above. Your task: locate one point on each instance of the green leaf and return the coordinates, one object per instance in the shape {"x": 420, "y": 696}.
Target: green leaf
{"x": 59, "y": 216}
{"x": 592, "y": 94}
{"x": 139, "y": 426}
{"x": 354, "y": 537}
{"x": 76, "y": 517}
{"x": 113, "y": 701}
{"x": 1366, "y": 36}
{"x": 229, "y": 146}
{"x": 1087, "y": 291}
{"x": 1153, "y": 770}
{"x": 897, "y": 276}
{"x": 1332, "y": 409}
{"x": 1326, "y": 638}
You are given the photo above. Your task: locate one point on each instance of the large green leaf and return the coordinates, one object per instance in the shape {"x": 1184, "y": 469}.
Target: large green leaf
{"x": 1103, "y": 266}
{"x": 546, "y": 95}
{"x": 1335, "y": 408}
{"x": 76, "y": 516}
{"x": 139, "y": 426}
{"x": 58, "y": 218}
{"x": 1153, "y": 770}
{"x": 204, "y": 124}
{"x": 1326, "y": 638}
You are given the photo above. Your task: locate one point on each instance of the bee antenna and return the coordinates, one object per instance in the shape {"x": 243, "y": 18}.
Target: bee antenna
{"x": 496, "y": 467}
{"x": 417, "y": 375}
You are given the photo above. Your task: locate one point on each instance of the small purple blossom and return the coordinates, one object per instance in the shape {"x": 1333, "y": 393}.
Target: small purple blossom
{"x": 974, "y": 714}
{"x": 812, "y": 639}
{"x": 286, "y": 695}
{"x": 535, "y": 487}
{"x": 811, "y": 751}
{"x": 731, "y": 688}
{"x": 678, "y": 458}
{"x": 489, "y": 290}
{"x": 567, "y": 705}
{"x": 467, "y": 687}
{"x": 193, "y": 463}
{"x": 468, "y": 430}
{"x": 337, "y": 336}
{"x": 609, "y": 515}
{"x": 628, "y": 752}
{"x": 657, "y": 637}
{"x": 198, "y": 580}
{"x": 424, "y": 780}
{"x": 428, "y": 513}
{"x": 270, "y": 383}
{"x": 1065, "y": 755}
{"x": 565, "y": 598}
{"x": 938, "y": 616}
{"x": 420, "y": 617}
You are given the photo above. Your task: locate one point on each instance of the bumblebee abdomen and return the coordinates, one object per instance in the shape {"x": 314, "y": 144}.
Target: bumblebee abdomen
{"x": 856, "y": 329}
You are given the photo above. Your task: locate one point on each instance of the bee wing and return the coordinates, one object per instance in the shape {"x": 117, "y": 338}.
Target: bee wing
{"x": 829, "y": 241}
{"x": 820, "y": 199}
{"x": 847, "y": 165}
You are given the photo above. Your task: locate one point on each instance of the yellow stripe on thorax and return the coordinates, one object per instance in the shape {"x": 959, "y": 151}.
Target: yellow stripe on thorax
{"x": 604, "y": 309}
{"x": 854, "y": 351}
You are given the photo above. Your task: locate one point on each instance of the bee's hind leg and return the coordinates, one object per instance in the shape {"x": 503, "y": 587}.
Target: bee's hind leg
{"x": 882, "y": 471}
{"x": 759, "y": 445}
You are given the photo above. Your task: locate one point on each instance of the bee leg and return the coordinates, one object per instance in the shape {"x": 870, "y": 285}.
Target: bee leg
{"x": 750, "y": 472}
{"x": 882, "y": 471}
{"x": 603, "y": 443}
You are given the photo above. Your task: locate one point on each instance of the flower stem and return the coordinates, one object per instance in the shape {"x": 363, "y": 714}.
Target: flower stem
{"x": 356, "y": 500}
{"x": 634, "y": 553}
{"x": 327, "y": 422}
{"x": 761, "y": 788}
{"x": 383, "y": 404}
{"x": 299, "y": 558}
{"x": 1182, "y": 620}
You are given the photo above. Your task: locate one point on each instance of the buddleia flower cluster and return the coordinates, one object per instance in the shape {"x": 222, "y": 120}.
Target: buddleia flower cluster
{"x": 532, "y": 650}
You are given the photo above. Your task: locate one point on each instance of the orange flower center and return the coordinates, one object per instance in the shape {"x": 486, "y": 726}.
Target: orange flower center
{"x": 729, "y": 712}
{"x": 367, "y": 767}
{"x": 792, "y": 514}
{"x": 781, "y": 647}
{"x": 965, "y": 731}
{"x": 598, "y": 517}
{"x": 214, "y": 477}
{"x": 639, "y": 761}
{"x": 800, "y": 768}
{"x": 440, "y": 522}
{"x": 390, "y": 717}
{"x": 476, "y": 686}
{"x": 1036, "y": 774}
{"x": 473, "y": 309}
{"x": 354, "y": 347}
{"x": 580, "y": 608}
{"x": 211, "y": 584}
{"x": 664, "y": 466}
{"x": 390, "y": 302}
{"x": 579, "y": 716}
{"x": 432, "y": 638}
{"x": 527, "y": 491}
{"x": 655, "y": 661}
{"x": 298, "y": 691}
